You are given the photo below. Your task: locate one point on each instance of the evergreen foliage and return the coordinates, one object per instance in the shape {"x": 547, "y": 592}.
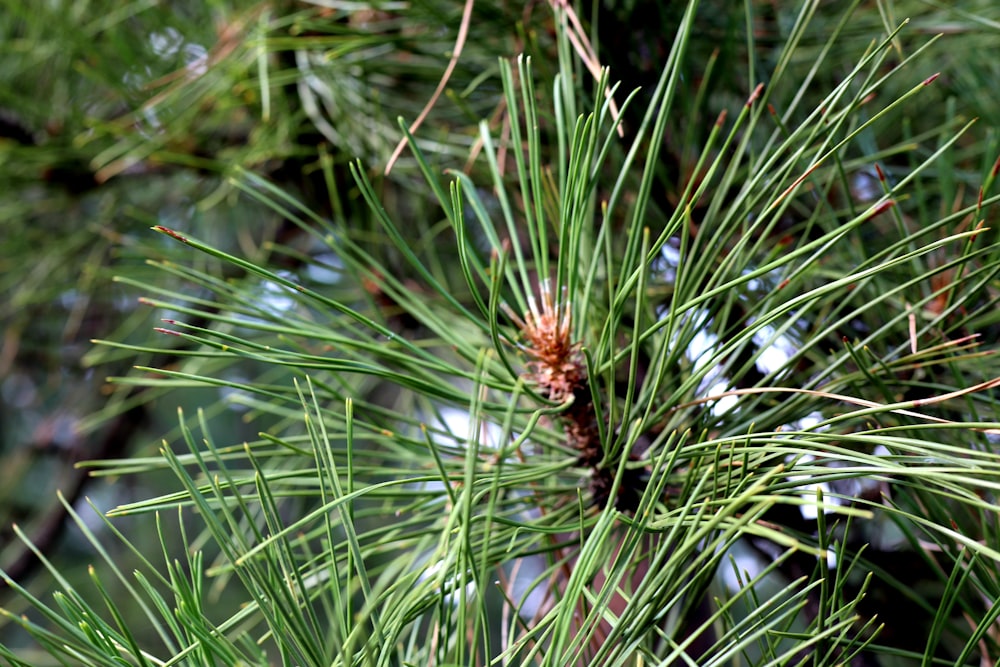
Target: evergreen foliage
{"x": 669, "y": 338}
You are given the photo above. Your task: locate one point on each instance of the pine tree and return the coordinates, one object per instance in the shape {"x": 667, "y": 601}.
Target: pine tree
{"x": 446, "y": 334}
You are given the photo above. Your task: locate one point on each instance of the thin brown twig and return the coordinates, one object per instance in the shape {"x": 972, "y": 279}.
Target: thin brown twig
{"x": 463, "y": 33}
{"x": 896, "y": 408}
{"x": 581, "y": 44}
